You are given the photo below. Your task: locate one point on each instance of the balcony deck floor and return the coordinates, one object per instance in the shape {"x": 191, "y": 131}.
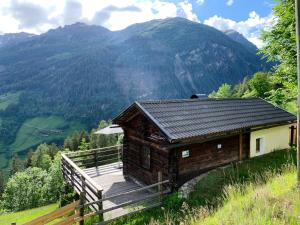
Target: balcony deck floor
{"x": 110, "y": 178}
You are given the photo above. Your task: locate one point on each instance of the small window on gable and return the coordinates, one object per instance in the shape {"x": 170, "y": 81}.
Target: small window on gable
{"x": 145, "y": 157}
{"x": 219, "y": 146}
{"x": 258, "y": 145}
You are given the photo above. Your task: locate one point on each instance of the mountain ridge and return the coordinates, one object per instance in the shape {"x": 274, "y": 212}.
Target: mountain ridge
{"x": 85, "y": 73}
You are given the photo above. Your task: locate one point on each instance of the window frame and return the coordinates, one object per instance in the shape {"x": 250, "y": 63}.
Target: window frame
{"x": 145, "y": 157}
{"x": 259, "y": 145}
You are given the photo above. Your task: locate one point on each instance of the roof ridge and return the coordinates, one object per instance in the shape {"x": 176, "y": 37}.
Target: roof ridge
{"x": 194, "y": 100}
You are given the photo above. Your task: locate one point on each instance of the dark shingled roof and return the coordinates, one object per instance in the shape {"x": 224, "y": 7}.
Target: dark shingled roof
{"x": 189, "y": 118}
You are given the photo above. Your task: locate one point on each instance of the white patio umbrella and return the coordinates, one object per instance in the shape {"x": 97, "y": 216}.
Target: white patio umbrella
{"x": 111, "y": 129}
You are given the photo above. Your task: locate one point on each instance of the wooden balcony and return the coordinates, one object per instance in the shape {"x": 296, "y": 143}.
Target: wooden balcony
{"x": 97, "y": 176}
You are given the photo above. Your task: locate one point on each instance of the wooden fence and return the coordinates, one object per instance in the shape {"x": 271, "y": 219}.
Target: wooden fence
{"x": 62, "y": 212}
{"x": 153, "y": 199}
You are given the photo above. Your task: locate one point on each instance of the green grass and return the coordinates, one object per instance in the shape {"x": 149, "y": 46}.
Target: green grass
{"x": 42, "y": 129}
{"x": 210, "y": 193}
{"x": 276, "y": 202}
{"x": 8, "y": 99}
{"x": 27, "y": 215}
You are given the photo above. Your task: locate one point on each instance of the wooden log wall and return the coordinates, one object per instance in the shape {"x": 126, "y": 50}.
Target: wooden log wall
{"x": 204, "y": 156}
{"x": 140, "y": 133}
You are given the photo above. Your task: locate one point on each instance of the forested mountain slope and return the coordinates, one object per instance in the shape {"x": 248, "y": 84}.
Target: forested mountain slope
{"x": 76, "y": 75}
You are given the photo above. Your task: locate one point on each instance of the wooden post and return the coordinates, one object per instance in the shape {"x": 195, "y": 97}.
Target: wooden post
{"x": 72, "y": 177}
{"x": 119, "y": 157}
{"x": 241, "y": 147}
{"x": 95, "y": 158}
{"x": 100, "y": 206}
{"x": 160, "y": 188}
{"x": 297, "y": 16}
{"x": 81, "y": 211}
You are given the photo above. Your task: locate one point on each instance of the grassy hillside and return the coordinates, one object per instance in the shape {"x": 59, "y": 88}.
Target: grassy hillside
{"x": 42, "y": 129}
{"x": 27, "y": 215}
{"x": 225, "y": 189}
{"x": 276, "y": 202}
{"x": 8, "y": 99}
{"x": 34, "y": 132}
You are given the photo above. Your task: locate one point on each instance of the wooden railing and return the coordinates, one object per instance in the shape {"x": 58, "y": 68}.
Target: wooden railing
{"x": 80, "y": 181}
{"x": 62, "y": 212}
{"x": 154, "y": 199}
{"x": 96, "y": 157}
{"x": 91, "y": 196}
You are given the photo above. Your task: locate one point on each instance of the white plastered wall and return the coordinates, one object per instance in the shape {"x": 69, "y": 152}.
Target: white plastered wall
{"x": 272, "y": 139}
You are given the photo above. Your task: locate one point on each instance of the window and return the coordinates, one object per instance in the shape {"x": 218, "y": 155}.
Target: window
{"x": 219, "y": 146}
{"x": 145, "y": 157}
{"x": 185, "y": 154}
{"x": 258, "y": 145}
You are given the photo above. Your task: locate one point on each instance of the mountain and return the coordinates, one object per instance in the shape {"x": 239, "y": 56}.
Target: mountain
{"x": 13, "y": 38}
{"x": 236, "y": 36}
{"x": 73, "y": 76}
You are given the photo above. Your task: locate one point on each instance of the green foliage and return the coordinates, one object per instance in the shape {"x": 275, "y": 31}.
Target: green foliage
{"x": 83, "y": 144}
{"x": 280, "y": 46}
{"x": 34, "y": 187}
{"x": 2, "y": 183}
{"x": 224, "y": 91}
{"x": 55, "y": 183}
{"x": 41, "y": 158}
{"x": 25, "y": 190}
{"x": 16, "y": 164}
{"x": 260, "y": 84}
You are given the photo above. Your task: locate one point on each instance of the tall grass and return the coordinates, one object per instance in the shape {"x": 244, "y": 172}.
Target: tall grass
{"x": 217, "y": 190}
{"x": 271, "y": 198}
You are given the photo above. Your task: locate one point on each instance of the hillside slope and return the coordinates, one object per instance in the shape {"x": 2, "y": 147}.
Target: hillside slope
{"x": 277, "y": 202}
{"x": 84, "y": 73}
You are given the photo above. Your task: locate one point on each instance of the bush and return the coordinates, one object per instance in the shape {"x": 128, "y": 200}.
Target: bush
{"x": 25, "y": 190}
{"x": 34, "y": 187}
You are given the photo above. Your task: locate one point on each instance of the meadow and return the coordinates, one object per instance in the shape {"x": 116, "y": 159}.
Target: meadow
{"x": 27, "y": 215}
{"x": 42, "y": 129}
{"x": 8, "y": 99}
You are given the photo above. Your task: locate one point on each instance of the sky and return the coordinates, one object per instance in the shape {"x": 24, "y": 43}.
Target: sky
{"x": 38, "y": 16}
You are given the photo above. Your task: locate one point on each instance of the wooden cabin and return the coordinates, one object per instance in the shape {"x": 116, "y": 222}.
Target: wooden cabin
{"x": 184, "y": 138}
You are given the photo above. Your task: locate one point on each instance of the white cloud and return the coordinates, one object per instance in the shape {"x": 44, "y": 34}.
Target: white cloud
{"x": 186, "y": 10}
{"x": 38, "y": 16}
{"x": 229, "y": 2}
{"x": 200, "y": 2}
{"x": 249, "y": 27}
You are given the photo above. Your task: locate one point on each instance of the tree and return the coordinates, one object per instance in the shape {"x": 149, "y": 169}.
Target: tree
{"x": 260, "y": 84}
{"x": 28, "y": 162}
{"x": 25, "y": 190}
{"x": 224, "y": 91}
{"x": 41, "y": 157}
{"x": 2, "y": 183}
{"x": 84, "y": 145}
{"x": 241, "y": 88}
{"x": 55, "y": 183}
{"x": 16, "y": 164}
{"x": 280, "y": 46}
